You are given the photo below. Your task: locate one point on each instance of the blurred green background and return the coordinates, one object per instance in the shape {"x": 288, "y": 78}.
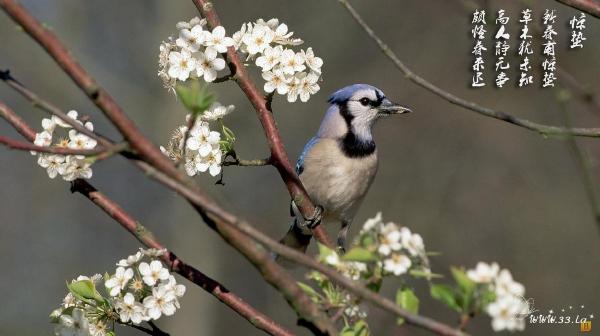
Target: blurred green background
{"x": 475, "y": 188}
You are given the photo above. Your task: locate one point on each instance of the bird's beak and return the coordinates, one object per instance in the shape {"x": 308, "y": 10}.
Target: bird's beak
{"x": 389, "y": 108}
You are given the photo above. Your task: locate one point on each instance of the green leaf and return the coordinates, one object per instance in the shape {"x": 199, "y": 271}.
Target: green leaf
{"x": 310, "y": 291}
{"x": 359, "y": 254}
{"x": 194, "y": 98}
{"x": 424, "y": 274}
{"x": 466, "y": 287}
{"x": 360, "y": 328}
{"x": 464, "y": 283}
{"x": 488, "y": 296}
{"x": 406, "y": 298}
{"x": 445, "y": 294}
{"x": 85, "y": 290}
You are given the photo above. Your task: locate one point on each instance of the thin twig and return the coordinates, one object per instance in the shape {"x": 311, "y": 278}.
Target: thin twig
{"x": 97, "y": 152}
{"x": 247, "y": 163}
{"x": 583, "y": 163}
{"x": 486, "y": 111}
{"x": 591, "y": 7}
{"x": 44, "y": 105}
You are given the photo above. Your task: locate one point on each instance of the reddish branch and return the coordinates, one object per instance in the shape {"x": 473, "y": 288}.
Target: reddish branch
{"x": 258, "y": 319}
{"x": 146, "y": 237}
{"x": 591, "y": 7}
{"x": 99, "y": 152}
{"x": 279, "y": 157}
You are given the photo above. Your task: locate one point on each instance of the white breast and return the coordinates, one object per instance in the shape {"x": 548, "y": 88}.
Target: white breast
{"x": 336, "y": 182}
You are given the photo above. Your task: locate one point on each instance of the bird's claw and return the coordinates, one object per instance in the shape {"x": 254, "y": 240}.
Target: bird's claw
{"x": 314, "y": 220}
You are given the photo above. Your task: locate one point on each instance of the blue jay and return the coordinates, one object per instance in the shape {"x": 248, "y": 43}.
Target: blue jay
{"x": 338, "y": 165}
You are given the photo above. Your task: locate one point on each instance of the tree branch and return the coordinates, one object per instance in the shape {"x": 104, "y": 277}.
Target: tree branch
{"x": 591, "y": 7}
{"x": 279, "y": 157}
{"x": 100, "y": 153}
{"x": 486, "y": 111}
{"x": 49, "y": 108}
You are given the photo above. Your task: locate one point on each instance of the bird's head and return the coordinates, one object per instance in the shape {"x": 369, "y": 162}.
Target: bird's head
{"x": 360, "y": 105}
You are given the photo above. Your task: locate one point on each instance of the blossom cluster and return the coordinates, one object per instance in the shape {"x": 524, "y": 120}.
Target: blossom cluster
{"x": 195, "y": 54}
{"x": 399, "y": 248}
{"x": 202, "y": 150}
{"x": 380, "y": 250}
{"x": 287, "y": 72}
{"x": 141, "y": 289}
{"x": 69, "y": 167}
{"x": 509, "y": 309}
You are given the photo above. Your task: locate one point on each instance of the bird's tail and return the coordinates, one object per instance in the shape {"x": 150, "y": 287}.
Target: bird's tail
{"x": 296, "y": 238}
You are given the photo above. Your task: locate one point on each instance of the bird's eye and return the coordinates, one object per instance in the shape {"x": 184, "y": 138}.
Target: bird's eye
{"x": 364, "y": 101}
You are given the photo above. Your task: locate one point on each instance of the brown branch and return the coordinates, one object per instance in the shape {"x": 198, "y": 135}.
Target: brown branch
{"x": 591, "y": 7}
{"x": 486, "y": 111}
{"x": 279, "y": 157}
{"x": 247, "y": 163}
{"x": 101, "y": 152}
{"x": 258, "y": 319}
{"x": 582, "y": 161}
{"x": 49, "y": 108}
{"x": 19, "y": 124}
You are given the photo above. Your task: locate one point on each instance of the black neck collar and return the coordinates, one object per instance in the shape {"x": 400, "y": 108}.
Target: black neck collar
{"x": 350, "y": 144}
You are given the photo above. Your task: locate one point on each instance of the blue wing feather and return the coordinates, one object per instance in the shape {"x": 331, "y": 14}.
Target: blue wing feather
{"x": 307, "y": 148}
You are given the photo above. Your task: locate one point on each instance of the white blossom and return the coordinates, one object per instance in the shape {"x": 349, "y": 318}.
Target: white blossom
{"x": 483, "y": 273}
{"x": 211, "y": 162}
{"x": 75, "y": 324}
{"x": 193, "y": 22}
{"x": 217, "y": 40}
{"x": 181, "y": 64}
{"x": 390, "y": 240}
{"x": 43, "y": 139}
{"x": 162, "y": 301}
{"x": 275, "y": 80}
{"x": 202, "y": 139}
{"x": 131, "y": 260}
{"x": 208, "y": 64}
{"x": 291, "y": 62}
{"x": 308, "y": 85}
{"x": 153, "y": 272}
{"x": 71, "y": 114}
{"x": 412, "y": 242}
{"x": 191, "y": 39}
{"x": 506, "y": 313}
{"x": 258, "y": 40}
{"x": 216, "y": 111}
{"x": 119, "y": 281}
{"x": 130, "y": 310}
{"x": 75, "y": 168}
{"x": 270, "y": 58}
{"x": 505, "y": 285}
{"x": 314, "y": 63}
{"x": 52, "y": 163}
{"x": 397, "y": 264}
